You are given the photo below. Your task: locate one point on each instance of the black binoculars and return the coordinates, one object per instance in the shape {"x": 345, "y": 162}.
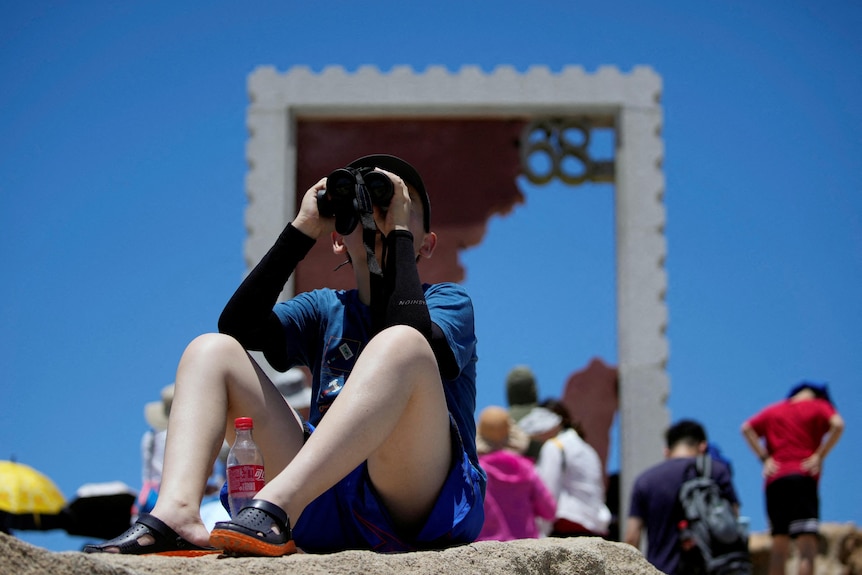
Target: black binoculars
{"x": 352, "y": 192}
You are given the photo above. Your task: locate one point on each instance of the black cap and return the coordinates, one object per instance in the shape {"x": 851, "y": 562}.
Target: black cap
{"x": 407, "y": 172}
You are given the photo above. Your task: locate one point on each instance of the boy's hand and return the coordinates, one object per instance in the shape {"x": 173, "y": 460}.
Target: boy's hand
{"x": 308, "y": 220}
{"x": 397, "y": 216}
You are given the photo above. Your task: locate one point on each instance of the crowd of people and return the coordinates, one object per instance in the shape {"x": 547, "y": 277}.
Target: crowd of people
{"x": 534, "y": 455}
{"x": 542, "y": 474}
{"x": 791, "y": 438}
{"x": 386, "y": 452}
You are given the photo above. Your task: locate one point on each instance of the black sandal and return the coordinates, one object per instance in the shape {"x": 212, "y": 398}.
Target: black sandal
{"x": 259, "y": 529}
{"x": 166, "y": 541}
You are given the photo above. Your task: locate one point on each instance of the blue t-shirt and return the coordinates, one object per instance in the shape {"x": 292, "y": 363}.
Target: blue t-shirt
{"x": 655, "y": 500}
{"x": 327, "y": 329}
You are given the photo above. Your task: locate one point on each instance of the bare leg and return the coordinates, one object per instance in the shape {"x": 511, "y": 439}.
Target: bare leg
{"x": 807, "y": 546}
{"x": 217, "y": 381}
{"x": 778, "y": 555}
{"x": 392, "y": 412}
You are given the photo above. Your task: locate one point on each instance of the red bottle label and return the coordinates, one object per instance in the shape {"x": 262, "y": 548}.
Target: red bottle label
{"x": 245, "y": 479}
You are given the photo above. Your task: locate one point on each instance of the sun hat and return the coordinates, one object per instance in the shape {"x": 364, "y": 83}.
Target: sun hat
{"x": 521, "y": 391}
{"x": 292, "y": 385}
{"x": 540, "y": 420}
{"x": 407, "y": 172}
{"x": 156, "y": 412}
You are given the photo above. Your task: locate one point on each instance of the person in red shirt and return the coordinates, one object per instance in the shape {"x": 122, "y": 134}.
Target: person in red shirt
{"x": 792, "y": 438}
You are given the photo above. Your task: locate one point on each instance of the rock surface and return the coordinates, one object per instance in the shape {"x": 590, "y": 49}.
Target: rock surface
{"x": 580, "y": 556}
{"x": 839, "y": 551}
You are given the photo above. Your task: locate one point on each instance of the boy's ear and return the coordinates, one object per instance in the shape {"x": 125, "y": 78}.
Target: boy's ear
{"x": 338, "y": 247}
{"x": 429, "y": 242}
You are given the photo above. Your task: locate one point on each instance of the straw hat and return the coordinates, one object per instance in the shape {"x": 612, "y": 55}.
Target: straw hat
{"x": 156, "y": 412}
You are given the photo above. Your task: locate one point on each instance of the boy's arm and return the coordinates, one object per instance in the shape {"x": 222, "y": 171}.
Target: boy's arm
{"x": 753, "y": 440}
{"x": 403, "y": 296}
{"x": 637, "y": 511}
{"x": 248, "y": 316}
{"x": 549, "y": 465}
{"x": 836, "y": 428}
{"x": 405, "y": 302}
{"x": 544, "y": 501}
{"x": 445, "y": 357}
{"x": 634, "y": 527}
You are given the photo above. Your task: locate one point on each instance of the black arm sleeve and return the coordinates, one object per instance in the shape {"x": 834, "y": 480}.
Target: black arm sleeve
{"x": 405, "y": 299}
{"x": 248, "y": 316}
{"x": 445, "y": 358}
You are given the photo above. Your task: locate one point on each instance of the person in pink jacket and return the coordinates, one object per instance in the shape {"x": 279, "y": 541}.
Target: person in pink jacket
{"x": 515, "y": 495}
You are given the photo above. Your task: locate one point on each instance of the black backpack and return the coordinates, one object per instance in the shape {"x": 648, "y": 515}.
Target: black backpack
{"x": 713, "y": 542}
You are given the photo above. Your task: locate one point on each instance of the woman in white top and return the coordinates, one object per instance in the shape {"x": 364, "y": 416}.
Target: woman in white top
{"x": 572, "y": 470}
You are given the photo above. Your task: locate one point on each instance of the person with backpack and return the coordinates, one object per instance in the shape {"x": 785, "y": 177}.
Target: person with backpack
{"x": 792, "y": 438}
{"x": 655, "y": 501}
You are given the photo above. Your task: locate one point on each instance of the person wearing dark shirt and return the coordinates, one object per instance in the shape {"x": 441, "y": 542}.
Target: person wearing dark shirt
{"x": 655, "y": 504}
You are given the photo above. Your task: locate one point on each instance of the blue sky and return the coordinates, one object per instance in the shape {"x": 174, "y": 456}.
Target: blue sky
{"x": 122, "y": 165}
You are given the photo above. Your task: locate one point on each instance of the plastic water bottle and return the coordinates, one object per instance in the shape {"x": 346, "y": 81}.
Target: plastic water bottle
{"x": 245, "y": 474}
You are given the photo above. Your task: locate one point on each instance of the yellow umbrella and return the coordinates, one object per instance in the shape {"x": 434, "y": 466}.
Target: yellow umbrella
{"x": 25, "y": 490}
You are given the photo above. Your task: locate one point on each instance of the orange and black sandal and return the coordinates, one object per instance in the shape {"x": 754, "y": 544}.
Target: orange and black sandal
{"x": 165, "y": 541}
{"x": 259, "y": 529}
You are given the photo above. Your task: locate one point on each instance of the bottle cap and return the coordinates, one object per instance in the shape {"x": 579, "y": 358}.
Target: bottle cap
{"x": 243, "y": 423}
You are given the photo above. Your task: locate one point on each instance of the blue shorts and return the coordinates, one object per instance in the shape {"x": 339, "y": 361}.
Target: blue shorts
{"x": 350, "y": 515}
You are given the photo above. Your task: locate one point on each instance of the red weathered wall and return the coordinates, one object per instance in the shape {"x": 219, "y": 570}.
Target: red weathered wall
{"x": 592, "y": 398}
{"x": 469, "y": 168}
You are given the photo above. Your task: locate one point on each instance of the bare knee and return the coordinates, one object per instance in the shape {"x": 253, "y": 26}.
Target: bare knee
{"x": 402, "y": 342}
{"x": 403, "y": 333}
{"x": 212, "y": 357}
{"x": 212, "y": 345}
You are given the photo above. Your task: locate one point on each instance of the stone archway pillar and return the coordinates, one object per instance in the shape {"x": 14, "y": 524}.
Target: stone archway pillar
{"x": 641, "y": 286}
{"x": 626, "y": 103}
